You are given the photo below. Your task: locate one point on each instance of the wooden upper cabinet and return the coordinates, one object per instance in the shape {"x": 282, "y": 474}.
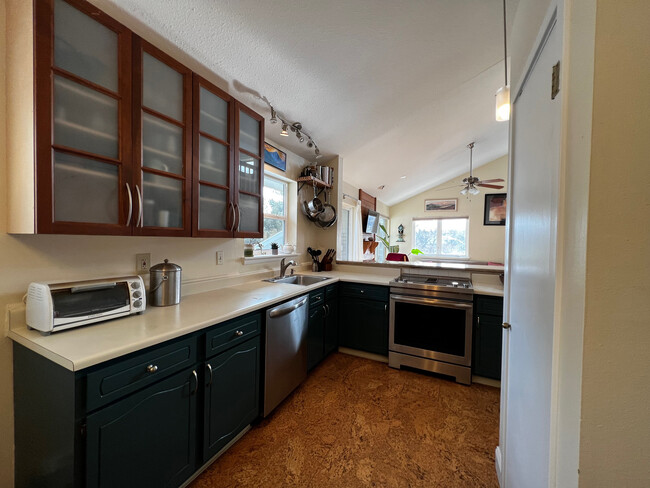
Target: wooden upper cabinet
{"x": 83, "y": 120}
{"x": 249, "y": 181}
{"x": 128, "y": 140}
{"x": 162, "y": 143}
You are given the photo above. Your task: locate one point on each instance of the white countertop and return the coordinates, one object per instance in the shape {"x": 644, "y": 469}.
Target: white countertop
{"x": 83, "y": 347}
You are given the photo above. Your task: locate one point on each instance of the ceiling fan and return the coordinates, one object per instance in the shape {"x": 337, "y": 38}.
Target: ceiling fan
{"x": 471, "y": 183}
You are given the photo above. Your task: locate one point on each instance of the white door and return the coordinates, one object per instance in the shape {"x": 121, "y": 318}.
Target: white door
{"x": 533, "y": 201}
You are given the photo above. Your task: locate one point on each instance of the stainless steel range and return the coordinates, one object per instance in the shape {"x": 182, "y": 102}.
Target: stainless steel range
{"x": 431, "y": 325}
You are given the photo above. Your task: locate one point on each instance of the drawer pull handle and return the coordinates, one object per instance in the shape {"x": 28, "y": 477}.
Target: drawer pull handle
{"x": 152, "y": 368}
{"x": 362, "y": 291}
{"x": 239, "y": 333}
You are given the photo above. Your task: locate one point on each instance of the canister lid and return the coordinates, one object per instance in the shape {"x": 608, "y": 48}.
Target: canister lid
{"x": 166, "y": 267}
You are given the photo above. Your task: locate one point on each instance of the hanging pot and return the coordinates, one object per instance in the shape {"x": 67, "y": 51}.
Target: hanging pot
{"x": 328, "y": 216}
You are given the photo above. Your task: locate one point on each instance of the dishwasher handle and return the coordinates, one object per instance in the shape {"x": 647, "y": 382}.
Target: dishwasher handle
{"x": 280, "y": 311}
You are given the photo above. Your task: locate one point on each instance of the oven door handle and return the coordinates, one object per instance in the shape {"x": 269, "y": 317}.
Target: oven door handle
{"x": 431, "y": 301}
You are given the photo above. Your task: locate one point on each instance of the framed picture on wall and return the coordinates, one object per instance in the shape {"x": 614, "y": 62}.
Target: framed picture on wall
{"x": 448, "y": 205}
{"x": 275, "y": 157}
{"x": 495, "y": 209}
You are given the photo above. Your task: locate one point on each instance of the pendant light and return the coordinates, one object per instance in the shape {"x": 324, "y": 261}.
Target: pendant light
{"x": 503, "y": 93}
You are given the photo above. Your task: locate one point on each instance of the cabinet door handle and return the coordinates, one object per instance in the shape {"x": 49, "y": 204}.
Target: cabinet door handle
{"x": 328, "y": 309}
{"x": 138, "y": 223}
{"x": 325, "y": 310}
{"x": 231, "y": 207}
{"x": 209, "y": 371}
{"x": 239, "y": 333}
{"x": 152, "y": 368}
{"x": 196, "y": 381}
{"x": 478, "y": 320}
{"x": 506, "y": 325}
{"x": 385, "y": 307}
{"x": 128, "y": 192}
{"x": 238, "y": 214}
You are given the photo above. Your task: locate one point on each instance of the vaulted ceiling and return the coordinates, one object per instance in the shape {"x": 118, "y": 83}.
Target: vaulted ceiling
{"x": 395, "y": 87}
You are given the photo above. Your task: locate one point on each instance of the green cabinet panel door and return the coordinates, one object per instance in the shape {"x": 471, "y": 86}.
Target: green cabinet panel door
{"x": 315, "y": 336}
{"x": 146, "y": 440}
{"x": 332, "y": 325}
{"x": 363, "y": 324}
{"x": 231, "y": 395}
{"x": 486, "y": 337}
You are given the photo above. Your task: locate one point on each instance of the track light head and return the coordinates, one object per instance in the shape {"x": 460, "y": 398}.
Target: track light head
{"x": 284, "y": 132}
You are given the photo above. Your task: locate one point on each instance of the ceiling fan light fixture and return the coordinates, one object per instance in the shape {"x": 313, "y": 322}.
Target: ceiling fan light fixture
{"x": 474, "y": 191}
{"x": 464, "y": 191}
{"x": 503, "y": 104}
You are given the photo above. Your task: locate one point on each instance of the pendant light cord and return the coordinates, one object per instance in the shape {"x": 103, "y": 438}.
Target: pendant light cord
{"x": 505, "y": 45}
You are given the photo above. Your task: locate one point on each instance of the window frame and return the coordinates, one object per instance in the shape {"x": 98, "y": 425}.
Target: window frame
{"x": 345, "y": 207}
{"x": 285, "y": 196}
{"x": 439, "y": 220}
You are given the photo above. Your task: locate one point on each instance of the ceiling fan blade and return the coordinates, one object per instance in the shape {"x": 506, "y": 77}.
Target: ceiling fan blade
{"x": 496, "y": 187}
{"x": 448, "y": 187}
{"x": 496, "y": 180}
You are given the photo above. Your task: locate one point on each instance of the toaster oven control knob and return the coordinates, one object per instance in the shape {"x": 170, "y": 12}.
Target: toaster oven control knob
{"x": 137, "y": 294}
{"x": 135, "y": 285}
{"x": 137, "y": 303}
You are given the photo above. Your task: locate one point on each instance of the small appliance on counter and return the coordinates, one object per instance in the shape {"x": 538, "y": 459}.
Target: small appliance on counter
{"x": 165, "y": 284}
{"x": 52, "y": 307}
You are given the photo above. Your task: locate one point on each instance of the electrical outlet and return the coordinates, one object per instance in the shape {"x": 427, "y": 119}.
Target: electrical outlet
{"x": 219, "y": 257}
{"x": 142, "y": 263}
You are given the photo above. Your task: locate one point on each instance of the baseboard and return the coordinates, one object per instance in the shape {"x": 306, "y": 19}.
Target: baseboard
{"x": 363, "y": 354}
{"x": 486, "y": 381}
{"x": 498, "y": 464}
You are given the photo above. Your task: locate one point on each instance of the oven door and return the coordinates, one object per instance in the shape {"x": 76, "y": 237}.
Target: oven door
{"x": 431, "y": 328}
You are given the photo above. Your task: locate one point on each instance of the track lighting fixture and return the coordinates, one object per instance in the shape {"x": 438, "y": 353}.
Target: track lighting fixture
{"x": 295, "y": 127}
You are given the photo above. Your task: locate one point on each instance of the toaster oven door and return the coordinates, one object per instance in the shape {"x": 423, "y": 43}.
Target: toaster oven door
{"x": 75, "y": 304}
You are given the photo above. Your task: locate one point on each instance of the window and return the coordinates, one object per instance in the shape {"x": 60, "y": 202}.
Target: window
{"x": 443, "y": 238}
{"x": 345, "y": 232}
{"x": 275, "y": 214}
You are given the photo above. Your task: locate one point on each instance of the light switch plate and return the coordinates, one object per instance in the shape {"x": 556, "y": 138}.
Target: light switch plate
{"x": 219, "y": 257}
{"x": 142, "y": 263}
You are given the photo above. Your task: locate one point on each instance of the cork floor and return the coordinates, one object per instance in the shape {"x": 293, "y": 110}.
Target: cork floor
{"x": 358, "y": 423}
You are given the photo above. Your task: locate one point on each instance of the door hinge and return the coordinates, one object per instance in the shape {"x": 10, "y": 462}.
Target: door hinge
{"x": 555, "y": 81}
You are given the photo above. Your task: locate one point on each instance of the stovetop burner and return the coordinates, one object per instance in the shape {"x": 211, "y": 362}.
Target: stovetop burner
{"x": 434, "y": 282}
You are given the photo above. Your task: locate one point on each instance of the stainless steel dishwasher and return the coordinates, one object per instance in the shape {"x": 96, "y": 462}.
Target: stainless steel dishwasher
{"x": 286, "y": 351}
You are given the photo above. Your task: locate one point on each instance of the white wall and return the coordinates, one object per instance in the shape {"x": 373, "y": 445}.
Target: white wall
{"x": 26, "y": 258}
{"x": 615, "y": 431}
{"x": 486, "y": 242}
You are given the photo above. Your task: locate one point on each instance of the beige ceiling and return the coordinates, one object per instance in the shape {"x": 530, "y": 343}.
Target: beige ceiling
{"x": 393, "y": 87}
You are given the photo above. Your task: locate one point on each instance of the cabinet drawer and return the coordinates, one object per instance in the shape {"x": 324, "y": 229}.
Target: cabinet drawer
{"x": 230, "y": 333}
{"x": 316, "y": 297}
{"x": 359, "y": 290}
{"x": 490, "y": 305}
{"x": 126, "y": 376}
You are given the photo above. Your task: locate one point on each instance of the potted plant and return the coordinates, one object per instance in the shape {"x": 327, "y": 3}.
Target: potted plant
{"x": 274, "y": 248}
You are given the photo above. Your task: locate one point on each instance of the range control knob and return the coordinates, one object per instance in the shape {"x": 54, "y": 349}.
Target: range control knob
{"x": 137, "y": 294}
{"x": 137, "y": 303}
{"x": 135, "y": 285}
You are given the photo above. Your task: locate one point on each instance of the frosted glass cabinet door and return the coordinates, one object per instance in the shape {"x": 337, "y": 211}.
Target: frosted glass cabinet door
{"x": 249, "y": 174}
{"x": 85, "y": 190}
{"x": 249, "y": 213}
{"x": 84, "y": 47}
{"x": 249, "y": 133}
{"x": 162, "y": 145}
{"x": 213, "y": 206}
{"x": 162, "y": 88}
{"x": 213, "y": 118}
{"x": 162, "y": 201}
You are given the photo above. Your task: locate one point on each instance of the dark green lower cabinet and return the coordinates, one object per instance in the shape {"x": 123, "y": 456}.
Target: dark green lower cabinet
{"x": 364, "y": 324}
{"x": 315, "y": 336}
{"x": 331, "y": 325}
{"x": 486, "y": 336}
{"x": 146, "y": 440}
{"x": 231, "y": 395}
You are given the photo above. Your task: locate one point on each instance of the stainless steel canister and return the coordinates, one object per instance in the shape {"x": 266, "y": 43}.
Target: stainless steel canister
{"x": 165, "y": 284}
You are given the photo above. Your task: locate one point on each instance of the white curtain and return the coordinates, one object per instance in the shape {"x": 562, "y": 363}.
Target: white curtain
{"x": 356, "y": 237}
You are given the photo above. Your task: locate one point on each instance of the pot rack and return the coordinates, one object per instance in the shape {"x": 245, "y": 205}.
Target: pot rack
{"x": 320, "y": 185}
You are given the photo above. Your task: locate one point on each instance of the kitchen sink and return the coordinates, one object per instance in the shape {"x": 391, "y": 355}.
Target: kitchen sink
{"x": 303, "y": 280}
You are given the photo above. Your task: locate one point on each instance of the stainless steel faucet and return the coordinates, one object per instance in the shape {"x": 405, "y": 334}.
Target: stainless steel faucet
{"x": 283, "y": 267}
